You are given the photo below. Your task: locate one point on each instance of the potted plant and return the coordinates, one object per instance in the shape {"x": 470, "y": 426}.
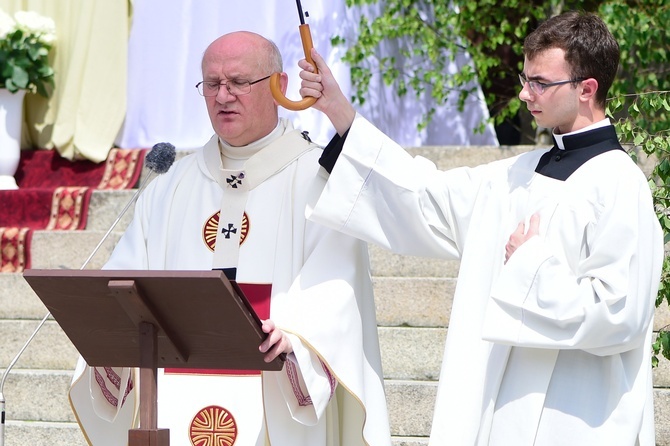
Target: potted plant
{"x": 25, "y": 41}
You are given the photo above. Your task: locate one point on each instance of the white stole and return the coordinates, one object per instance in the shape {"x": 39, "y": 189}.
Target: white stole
{"x": 236, "y": 185}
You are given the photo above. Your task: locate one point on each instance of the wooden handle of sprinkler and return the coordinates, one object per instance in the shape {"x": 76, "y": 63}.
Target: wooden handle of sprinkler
{"x": 282, "y": 100}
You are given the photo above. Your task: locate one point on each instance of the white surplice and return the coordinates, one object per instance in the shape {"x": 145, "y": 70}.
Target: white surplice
{"x": 330, "y": 391}
{"x": 552, "y": 347}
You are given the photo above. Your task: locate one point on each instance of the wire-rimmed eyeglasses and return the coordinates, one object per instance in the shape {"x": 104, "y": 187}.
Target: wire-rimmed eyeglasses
{"x": 236, "y": 87}
{"x": 538, "y": 87}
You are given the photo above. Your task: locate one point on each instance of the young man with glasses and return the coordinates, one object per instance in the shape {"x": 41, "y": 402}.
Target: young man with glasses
{"x": 238, "y": 204}
{"x": 549, "y": 339}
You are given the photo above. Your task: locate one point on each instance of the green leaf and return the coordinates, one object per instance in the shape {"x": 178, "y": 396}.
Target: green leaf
{"x": 20, "y": 77}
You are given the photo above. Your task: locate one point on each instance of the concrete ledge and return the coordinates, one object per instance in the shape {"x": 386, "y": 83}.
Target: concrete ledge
{"x": 38, "y": 395}
{"x": 409, "y": 441}
{"x": 662, "y": 416}
{"x": 105, "y": 207}
{"x": 69, "y": 249}
{"x": 22, "y": 433}
{"x": 413, "y": 302}
{"x": 386, "y": 264}
{"x": 49, "y": 349}
{"x": 410, "y": 407}
{"x": 18, "y": 300}
{"x": 412, "y": 353}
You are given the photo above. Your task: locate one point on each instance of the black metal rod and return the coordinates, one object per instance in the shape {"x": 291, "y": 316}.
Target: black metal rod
{"x": 300, "y": 14}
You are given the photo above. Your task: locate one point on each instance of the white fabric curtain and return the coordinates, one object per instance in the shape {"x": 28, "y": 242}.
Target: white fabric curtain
{"x": 168, "y": 38}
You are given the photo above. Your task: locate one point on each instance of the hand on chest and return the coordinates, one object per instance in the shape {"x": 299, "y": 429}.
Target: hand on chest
{"x": 567, "y": 214}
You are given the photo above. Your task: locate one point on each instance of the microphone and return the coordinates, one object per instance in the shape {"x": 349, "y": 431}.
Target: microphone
{"x": 158, "y": 161}
{"x": 160, "y": 158}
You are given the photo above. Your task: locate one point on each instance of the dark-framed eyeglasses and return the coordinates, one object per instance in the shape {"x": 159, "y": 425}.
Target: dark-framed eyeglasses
{"x": 538, "y": 87}
{"x": 236, "y": 87}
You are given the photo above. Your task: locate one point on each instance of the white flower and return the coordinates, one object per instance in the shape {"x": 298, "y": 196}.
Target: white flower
{"x": 7, "y": 24}
{"x": 28, "y": 68}
{"x": 31, "y": 22}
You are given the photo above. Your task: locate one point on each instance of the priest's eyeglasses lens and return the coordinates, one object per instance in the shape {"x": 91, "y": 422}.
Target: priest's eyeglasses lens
{"x": 236, "y": 87}
{"x": 538, "y": 87}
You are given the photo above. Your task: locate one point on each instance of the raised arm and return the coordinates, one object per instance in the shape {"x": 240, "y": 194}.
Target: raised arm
{"x": 330, "y": 99}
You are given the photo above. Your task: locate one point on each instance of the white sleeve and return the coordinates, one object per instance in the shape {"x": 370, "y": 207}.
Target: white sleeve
{"x": 605, "y": 305}
{"x": 306, "y": 383}
{"x": 381, "y": 194}
{"x": 104, "y": 411}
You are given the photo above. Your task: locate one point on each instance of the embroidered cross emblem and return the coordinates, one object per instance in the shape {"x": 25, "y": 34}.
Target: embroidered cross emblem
{"x": 230, "y": 230}
{"x": 235, "y": 180}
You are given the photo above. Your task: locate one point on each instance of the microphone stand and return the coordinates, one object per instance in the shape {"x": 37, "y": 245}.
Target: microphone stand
{"x": 39, "y": 326}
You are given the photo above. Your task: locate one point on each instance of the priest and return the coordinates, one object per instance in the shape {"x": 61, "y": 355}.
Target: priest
{"x": 238, "y": 204}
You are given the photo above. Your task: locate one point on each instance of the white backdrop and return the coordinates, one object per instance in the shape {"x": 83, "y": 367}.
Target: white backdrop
{"x": 168, "y": 37}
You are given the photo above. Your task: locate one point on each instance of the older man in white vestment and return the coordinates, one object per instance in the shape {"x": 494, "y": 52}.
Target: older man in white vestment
{"x": 550, "y": 331}
{"x": 239, "y": 204}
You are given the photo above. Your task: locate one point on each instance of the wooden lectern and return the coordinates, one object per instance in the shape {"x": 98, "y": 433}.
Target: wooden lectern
{"x": 152, "y": 319}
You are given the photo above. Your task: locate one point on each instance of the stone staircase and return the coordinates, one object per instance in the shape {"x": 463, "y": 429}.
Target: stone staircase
{"x": 413, "y": 298}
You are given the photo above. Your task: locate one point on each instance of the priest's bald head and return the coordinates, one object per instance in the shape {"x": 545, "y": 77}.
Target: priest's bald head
{"x": 235, "y": 84}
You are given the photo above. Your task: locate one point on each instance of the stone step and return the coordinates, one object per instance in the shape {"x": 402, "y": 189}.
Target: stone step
{"x": 70, "y": 249}
{"x": 409, "y": 441}
{"x": 400, "y": 301}
{"x": 21, "y": 433}
{"x": 412, "y": 353}
{"x": 106, "y": 206}
{"x": 18, "y": 300}
{"x": 410, "y": 406}
{"x": 40, "y": 433}
{"x": 405, "y": 276}
{"x": 413, "y": 301}
{"x": 40, "y": 395}
{"x": 662, "y": 416}
{"x": 49, "y": 349}
{"x": 407, "y": 353}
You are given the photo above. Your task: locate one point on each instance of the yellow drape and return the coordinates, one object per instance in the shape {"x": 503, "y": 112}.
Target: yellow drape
{"x": 84, "y": 114}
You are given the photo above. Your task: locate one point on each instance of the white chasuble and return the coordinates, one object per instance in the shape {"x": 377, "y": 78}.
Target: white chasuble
{"x": 245, "y": 239}
{"x": 313, "y": 282}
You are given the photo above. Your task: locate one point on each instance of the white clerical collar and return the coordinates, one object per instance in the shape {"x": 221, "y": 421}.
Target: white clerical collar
{"x": 233, "y": 157}
{"x": 559, "y": 138}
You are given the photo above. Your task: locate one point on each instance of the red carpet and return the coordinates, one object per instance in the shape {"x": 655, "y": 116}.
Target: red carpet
{"x": 54, "y": 194}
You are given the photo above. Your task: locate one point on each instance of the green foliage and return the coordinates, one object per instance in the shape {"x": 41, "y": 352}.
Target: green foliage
{"x": 24, "y": 53}
{"x": 661, "y": 344}
{"x": 431, "y": 35}
{"x": 646, "y": 127}
{"x": 643, "y": 126}
{"x": 640, "y": 105}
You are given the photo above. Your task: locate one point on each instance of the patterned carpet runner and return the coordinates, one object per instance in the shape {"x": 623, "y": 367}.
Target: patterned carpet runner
{"x": 54, "y": 194}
